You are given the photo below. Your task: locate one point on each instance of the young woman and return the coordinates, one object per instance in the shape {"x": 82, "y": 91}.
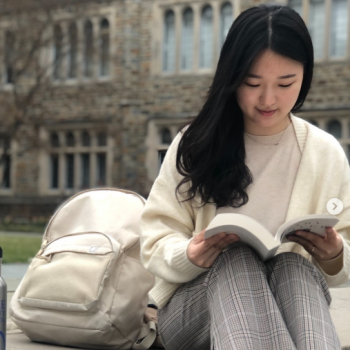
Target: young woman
{"x": 247, "y": 153}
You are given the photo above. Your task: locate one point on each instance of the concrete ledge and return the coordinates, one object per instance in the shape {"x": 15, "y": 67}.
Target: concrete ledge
{"x": 340, "y": 312}
{"x": 18, "y": 341}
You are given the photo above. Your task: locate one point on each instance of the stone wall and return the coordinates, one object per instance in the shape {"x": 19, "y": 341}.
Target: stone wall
{"x": 125, "y": 104}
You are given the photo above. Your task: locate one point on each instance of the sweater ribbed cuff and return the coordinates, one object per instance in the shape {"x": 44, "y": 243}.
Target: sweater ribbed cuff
{"x": 341, "y": 276}
{"x": 179, "y": 260}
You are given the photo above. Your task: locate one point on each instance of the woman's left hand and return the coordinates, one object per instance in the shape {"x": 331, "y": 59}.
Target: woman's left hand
{"x": 320, "y": 248}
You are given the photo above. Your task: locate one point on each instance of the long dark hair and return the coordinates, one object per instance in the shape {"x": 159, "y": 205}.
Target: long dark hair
{"x": 211, "y": 153}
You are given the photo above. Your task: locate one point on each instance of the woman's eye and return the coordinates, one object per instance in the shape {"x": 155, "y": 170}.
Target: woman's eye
{"x": 251, "y": 85}
{"x": 284, "y": 86}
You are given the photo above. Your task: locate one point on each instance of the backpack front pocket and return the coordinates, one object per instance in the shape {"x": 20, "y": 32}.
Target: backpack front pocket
{"x": 69, "y": 274}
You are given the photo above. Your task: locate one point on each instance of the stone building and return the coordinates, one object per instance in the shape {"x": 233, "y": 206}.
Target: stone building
{"x": 135, "y": 71}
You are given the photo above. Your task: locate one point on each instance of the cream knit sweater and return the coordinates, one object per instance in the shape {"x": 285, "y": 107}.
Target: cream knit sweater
{"x": 168, "y": 225}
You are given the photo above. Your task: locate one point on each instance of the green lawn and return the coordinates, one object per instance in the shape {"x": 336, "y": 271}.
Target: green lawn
{"x": 18, "y": 249}
{"x": 39, "y": 228}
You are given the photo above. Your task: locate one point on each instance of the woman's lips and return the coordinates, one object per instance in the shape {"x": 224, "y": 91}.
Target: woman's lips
{"x": 267, "y": 113}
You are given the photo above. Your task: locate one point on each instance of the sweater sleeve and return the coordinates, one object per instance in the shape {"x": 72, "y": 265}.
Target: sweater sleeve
{"x": 167, "y": 225}
{"x": 337, "y": 271}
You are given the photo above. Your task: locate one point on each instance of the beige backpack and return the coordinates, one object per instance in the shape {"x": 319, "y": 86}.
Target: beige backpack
{"x": 86, "y": 287}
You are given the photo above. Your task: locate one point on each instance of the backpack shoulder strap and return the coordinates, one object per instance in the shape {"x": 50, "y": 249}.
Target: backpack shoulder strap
{"x": 146, "y": 342}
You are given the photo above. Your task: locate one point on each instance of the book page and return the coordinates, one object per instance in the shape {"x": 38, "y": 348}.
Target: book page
{"x": 250, "y": 231}
{"x": 315, "y": 223}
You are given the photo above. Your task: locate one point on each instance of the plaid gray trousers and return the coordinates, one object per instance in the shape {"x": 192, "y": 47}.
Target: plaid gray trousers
{"x": 245, "y": 304}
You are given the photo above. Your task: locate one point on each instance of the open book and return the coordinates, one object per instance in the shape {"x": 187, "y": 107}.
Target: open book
{"x": 254, "y": 234}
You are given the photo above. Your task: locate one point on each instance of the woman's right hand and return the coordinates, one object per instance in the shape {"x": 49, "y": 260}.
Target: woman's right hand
{"x": 203, "y": 252}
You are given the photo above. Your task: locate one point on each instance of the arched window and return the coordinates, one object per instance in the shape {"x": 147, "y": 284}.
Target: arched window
{"x": 88, "y": 49}
{"x": 57, "y": 54}
{"x": 165, "y": 136}
{"x": 334, "y": 128}
{"x": 54, "y": 140}
{"x": 296, "y": 5}
{"x": 70, "y": 140}
{"x": 317, "y": 20}
{"x": 73, "y": 48}
{"x": 187, "y": 40}
{"x": 169, "y": 42}
{"x": 101, "y": 139}
{"x": 206, "y": 38}
{"x": 85, "y": 139}
{"x": 104, "y": 48}
{"x": 339, "y": 28}
{"x": 9, "y": 58}
{"x": 226, "y": 21}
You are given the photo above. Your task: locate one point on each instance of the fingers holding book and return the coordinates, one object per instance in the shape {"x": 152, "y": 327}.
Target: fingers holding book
{"x": 320, "y": 248}
{"x": 203, "y": 252}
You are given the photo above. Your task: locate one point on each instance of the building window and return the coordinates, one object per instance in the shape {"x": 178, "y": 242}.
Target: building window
{"x": 169, "y": 42}
{"x": 85, "y": 138}
{"x": 9, "y": 58}
{"x": 72, "y": 54}
{"x": 54, "y": 170}
{"x": 70, "y": 140}
{"x": 313, "y": 122}
{"x": 101, "y": 170}
{"x": 5, "y": 159}
{"x": 165, "y": 136}
{"x": 187, "y": 40}
{"x": 206, "y": 38}
{"x": 54, "y": 140}
{"x": 317, "y": 26}
{"x": 57, "y": 53}
{"x": 85, "y": 170}
{"x": 334, "y": 128}
{"x": 161, "y": 156}
{"x": 102, "y": 139}
{"x": 82, "y": 163}
{"x": 104, "y": 48}
{"x": 296, "y": 5}
{"x": 88, "y": 50}
{"x": 339, "y": 28}
{"x": 70, "y": 171}
{"x": 226, "y": 15}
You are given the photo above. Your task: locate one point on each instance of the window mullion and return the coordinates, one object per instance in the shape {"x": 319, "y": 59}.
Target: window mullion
{"x": 216, "y": 29}
{"x": 306, "y": 9}
{"x": 109, "y": 161}
{"x": 93, "y": 169}
{"x": 196, "y": 33}
{"x": 348, "y": 39}
{"x": 77, "y": 172}
{"x": 328, "y": 11}
{"x": 178, "y": 20}
{"x": 61, "y": 171}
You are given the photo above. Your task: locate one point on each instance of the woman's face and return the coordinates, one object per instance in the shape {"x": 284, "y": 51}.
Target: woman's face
{"x": 269, "y": 92}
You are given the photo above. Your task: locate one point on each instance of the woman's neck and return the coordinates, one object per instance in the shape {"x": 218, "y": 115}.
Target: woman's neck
{"x": 268, "y": 131}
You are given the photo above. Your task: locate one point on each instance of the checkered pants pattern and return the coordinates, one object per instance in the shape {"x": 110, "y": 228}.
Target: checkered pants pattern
{"x": 245, "y": 304}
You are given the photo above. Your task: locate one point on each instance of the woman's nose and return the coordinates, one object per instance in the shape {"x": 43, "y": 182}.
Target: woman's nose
{"x": 267, "y": 98}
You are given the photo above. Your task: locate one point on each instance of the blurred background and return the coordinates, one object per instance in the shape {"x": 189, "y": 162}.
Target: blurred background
{"x": 92, "y": 92}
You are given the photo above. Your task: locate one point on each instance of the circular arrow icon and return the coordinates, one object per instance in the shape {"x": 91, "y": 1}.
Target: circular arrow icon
{"x": 335, "y": 206}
